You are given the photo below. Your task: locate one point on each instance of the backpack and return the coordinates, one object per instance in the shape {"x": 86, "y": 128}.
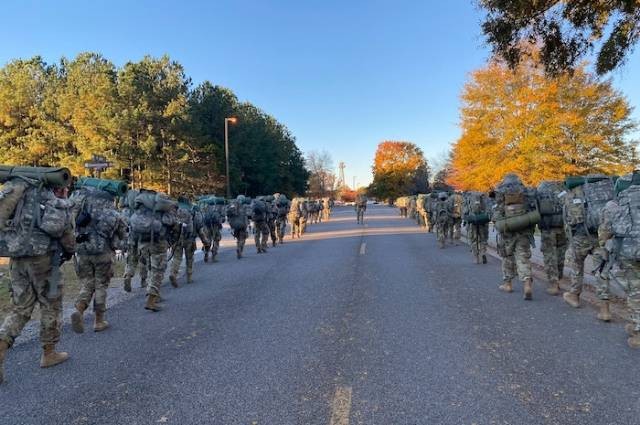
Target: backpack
{"x": 516, "y": 208}
{"x": 583, "y": 203}
{"x": 550, "y": 205}
{"x": 185, "y": 216}
{"x": 294, "y": 211}
{"x": 37, "y": 218}
{"x": 236, "y": 215}
{"x": 96, "y": 221}
{"x": 259, "y": 210}
{"x": 475, "y": 209}
{"x": 442, "y": 210}
{"x": 10, "y": 194}
{"x": 626, "y": 223}
{"x": 456, "y": 201}
{"x": 155, "y": 201}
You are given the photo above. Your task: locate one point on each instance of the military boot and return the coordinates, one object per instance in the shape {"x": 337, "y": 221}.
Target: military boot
{"x": 572, "y": 299}
{"x": 604, "y": 314}
{"x": 189, "y": 277}
{"x": 99, "y": 323}
{"x": 3, "y": 352}
{"x": 554, "y": 288}
{"x": 484, "y": 259}
{"x": 630, "y": 329}
{"x": 127, "y": 284}
{"x": 506, "y": 287}
{"x": 77, "y": 317}
{"x": 528, "y": 289}
{"x": 151, "y": 303}
{"x": 238, "y": 253}
{"x": 174, "y": 280}
{"x": 51, "y": 357}
{"x": 634, "y": 341}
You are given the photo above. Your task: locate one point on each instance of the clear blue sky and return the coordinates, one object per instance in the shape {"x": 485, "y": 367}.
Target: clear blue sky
{"x": 342, "y": 75}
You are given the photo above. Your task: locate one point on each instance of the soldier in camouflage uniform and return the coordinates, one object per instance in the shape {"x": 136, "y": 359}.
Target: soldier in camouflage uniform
{"x": 429, "y": 211}
{"x": 583, "y": 240}
{"x": 134, "y": 256}
{"x": 35, "y": 272}
{"x": 237, "y": 218}
{"x": 272, "y": 214}
{"x": 282, "y": 205}
{"x": 214, "y": 218}
{"x": 455, "y": 228}
{"x": 476, "y": 218}
{"x": 295, "y": 215}
{"x": 100, "y": 231}
{"x": 259, "y": 217}
{"x": 192, "y": 225}
{"x": 411, "y": 207}
{"x": 514, "y": 244}
{"x": 553, "y": 234}
{"x": 304, "y": 216}
{"x": 442, "y": 213}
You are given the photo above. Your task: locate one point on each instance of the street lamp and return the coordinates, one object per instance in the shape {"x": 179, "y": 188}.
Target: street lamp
{"x": 231, "y": 120}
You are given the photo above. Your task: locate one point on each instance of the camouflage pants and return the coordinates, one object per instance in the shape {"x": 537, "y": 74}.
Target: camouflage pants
{"x": 281, "y": 227}
{"x": 188, "y": 248}
{"x": 29, "y": 285}
{"x": 135, "y": 257}
{"x": 455, "y": 230}
{"x": 360, "y": 214}
{"x": 554, "y": 248}
{"x": 427, "y": 222}
{"x": 515, "y": 250}
{"x": 303, "y": 224}
{"x": 262, "y": 234}
{"x": 216, "y": 237}
{"x": 629, "y": 279}
{"x": 95, "y": 273}
{"x": 241, "y": 236}
{"x": 272, "y": 230}
{"x": 581, "y": 246}
{"x": 326, "y": 214}
{"x": 157, "y": 256}
{"x": 442, "y": 230}
{"x": 403, "y": 212}
{"x": 478, "y": 235}
{"x": 296, "y": 230}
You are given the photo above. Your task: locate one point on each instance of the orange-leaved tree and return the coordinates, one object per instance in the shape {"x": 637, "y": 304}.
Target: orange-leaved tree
{"x": 399, "y": 168}
{"x": 539, "y": 127}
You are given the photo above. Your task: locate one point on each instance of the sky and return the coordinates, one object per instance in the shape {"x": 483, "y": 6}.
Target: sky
{"x": 342, "y": 75}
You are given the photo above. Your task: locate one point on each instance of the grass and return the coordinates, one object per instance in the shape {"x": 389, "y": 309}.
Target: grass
{"x": 69, "y": 277}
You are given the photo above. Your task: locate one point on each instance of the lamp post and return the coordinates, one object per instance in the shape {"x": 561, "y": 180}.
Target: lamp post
{"x": 231, "y": 120}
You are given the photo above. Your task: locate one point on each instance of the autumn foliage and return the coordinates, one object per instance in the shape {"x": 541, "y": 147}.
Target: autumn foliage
{"x": 399, "y": 168}
{"x": 539, "y": 128}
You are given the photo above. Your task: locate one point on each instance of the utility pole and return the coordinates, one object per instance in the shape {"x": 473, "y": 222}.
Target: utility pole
{"x": 231, "y": 120}
{"x": 342, "y": 182}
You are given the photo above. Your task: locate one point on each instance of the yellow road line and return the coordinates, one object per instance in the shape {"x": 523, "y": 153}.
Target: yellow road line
{"x": 341, "y": 406}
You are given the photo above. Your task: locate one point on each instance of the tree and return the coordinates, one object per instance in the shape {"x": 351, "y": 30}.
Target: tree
{"x": 399, "y": 168}
{"x": 541, "y": 128}
{"x": 321, "y": 176}
{"x": 566, "y": 31}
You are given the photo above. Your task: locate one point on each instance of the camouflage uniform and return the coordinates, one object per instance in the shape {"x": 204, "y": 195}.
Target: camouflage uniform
{"x": 478, "y": 235}
{"x": 442, "y": 220}
{"x": 515, "y": 250}
{"x": 237, "y": 218}
{"x": 272, "y": 213}
{"x": 191, "y": 227}
{"x": 157, "y": 260}
{"x": 554, "y": 248}
{"x": 304, "y": 216}
{"x": 136, "y": 257}
{"x": 583, "y": 244}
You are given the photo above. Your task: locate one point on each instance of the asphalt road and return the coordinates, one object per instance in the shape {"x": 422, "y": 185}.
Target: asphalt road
{"x": 351, "y": 325}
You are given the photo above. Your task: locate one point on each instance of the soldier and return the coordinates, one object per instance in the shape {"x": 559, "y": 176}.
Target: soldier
{"x": 36, "y": 245}
{"x": 456, "y": 217}
{"x": 320, "y": 206}
{"x": 237, "y": 218}
{"x": 326, "y": 204}
{"x": 515, "y": 216}
{"x": 134, "y": 256}
{"x": 272, "y": 214}
{"x": 361, "y": 207}
{"x": 191, "y": 226}
{"x": 155, "y": 225}
{"x": 430, "y": 210}
{"x": 259, "y": 217}
{"x": 282, "y": 205}
{"x": 442, "y": 213}
{"x": 100, "y": 230}
{"x": 304, "y": 215}
{"x": 617, "y": 234}
{"x": 214, "y": 217}
{"x": 476, "y": 217}
{"x": 583, "y": 203}
{"x": 295, "y": 215}
{"x": 411, "y": 207}
{"x": 553, "y": 235}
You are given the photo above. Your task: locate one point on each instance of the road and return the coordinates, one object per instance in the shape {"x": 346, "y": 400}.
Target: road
{"x": 351, "y": 325}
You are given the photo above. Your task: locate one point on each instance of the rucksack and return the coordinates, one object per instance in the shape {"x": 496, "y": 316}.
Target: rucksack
{"x": 442, "y": 210}
{"x": 236, "y": 215}
{"x": 259, "y": 210}
{"x": 37, "y": 218}
{"x": 550, "y": 205}
{"x": 96, "y": 221}
{"x": 456, "y": 201}
{"x": 626, "y": 224}
{"x": 583, "y": 203}
{"x": 516, "y": 208}
{"x": 10, "y": 194}
{"x": 155, "y": 201}
{"x": 475, "y": 208}
{"x": 185, "y": 217}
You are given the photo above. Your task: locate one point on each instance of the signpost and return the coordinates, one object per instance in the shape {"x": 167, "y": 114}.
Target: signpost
{"x": 97, "y": 165}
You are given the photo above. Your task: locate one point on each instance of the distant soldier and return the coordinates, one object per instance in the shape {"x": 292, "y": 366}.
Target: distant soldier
{"x": 476, "y": 217}
{"x": 361, "y": 208}
{"x": 304, "y": 215}
{"x": 272, "y": 214}
{"x": 191, "y": 226}
{"x": 135, "y": 258}
{"x": 36, "y": 233}
{"x": 428, "y": 213}
{"x": 456, "y": 217}
{"x": 411, "y": 207}
{"x": 583, "y": 203}
{"x": 442, "y": 216}
{"x": 295, "y": 214}
{"x": 320, "y": 210}
{"x": 100, "y": 231}
{"x": 401, "y": 203}
{"x": 282, "y": 210}
{"x": 213, "y": 213}
{"x": 326, "y": 203}
{"x": 155, "y": 226}
{"x": 259, "y": 217}
{"x": 238, "y": 221}
{"x": 553, "y": 234}
{"x": 618, "y": 234}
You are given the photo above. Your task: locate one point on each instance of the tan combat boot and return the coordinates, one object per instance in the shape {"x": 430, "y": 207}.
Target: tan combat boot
{"x": 151, "y": 303}
{"x": 506, "y": 287}
{"x": 604, "y": 314}
{"x": 77, "y": 317}
{"x": 528, "y": 289}
{"x": 50, "y": 357}
{"x": 174, "y": 281}
{"x": 3, "y": 352}
{"x": 100, "y": 324}
{"x": 554, "y": 288}
{"x": 634, "y": 341}
{"x": 127, "y": 284}
{"x": 630, "y": 329}
{"x": 572, "y": 299}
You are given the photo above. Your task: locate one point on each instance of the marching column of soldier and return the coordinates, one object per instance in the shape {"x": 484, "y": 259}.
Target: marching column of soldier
{"x": 42, "y": 225}
{"x": 594, "y": 216}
